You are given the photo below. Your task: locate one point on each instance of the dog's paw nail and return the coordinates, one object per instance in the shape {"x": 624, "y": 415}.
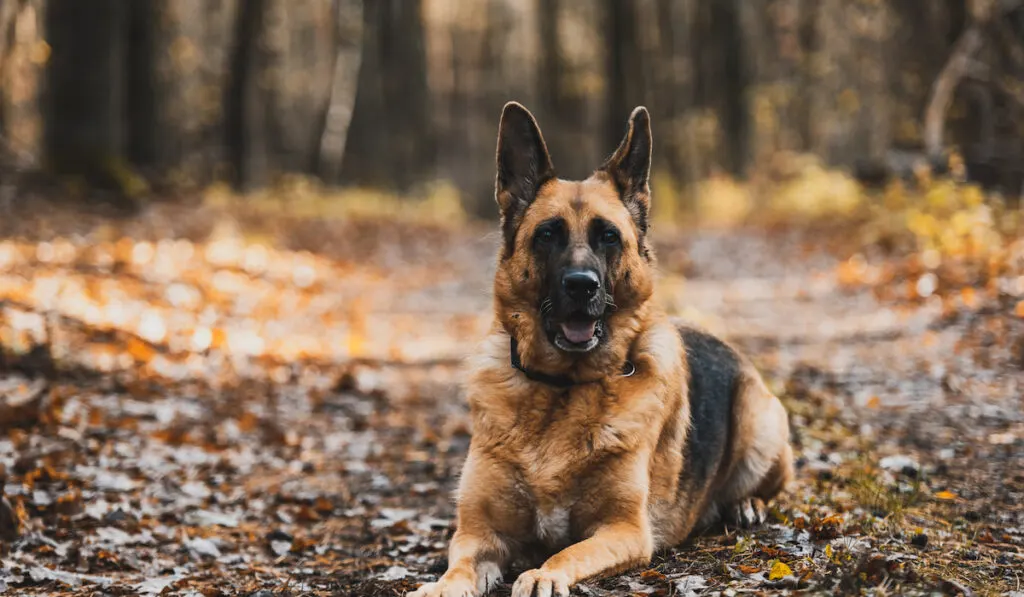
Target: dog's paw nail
{"x": 541, "y": 583}
{"x": 443, "y": 588}
{"x": 424, "y": 590}
{"x": 747, "y": 513}
{"x": 488, "y": 575}
{"x": 760, "y": 512}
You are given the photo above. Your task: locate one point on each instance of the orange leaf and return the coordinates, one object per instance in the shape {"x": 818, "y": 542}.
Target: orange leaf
{"x": 140, "y": 350}
{"x": 748, "y": 569}
{"x": 1019, "y": 309}
{"x": 874, "y": 402}
{"x": 945, "y": 495}
{"x": 970, "y": 297}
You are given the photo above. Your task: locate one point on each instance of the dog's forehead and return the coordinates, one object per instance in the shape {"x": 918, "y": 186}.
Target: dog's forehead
{"x": 578, "y": 203}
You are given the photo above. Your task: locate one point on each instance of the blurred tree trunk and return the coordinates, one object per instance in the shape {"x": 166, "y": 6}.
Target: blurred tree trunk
{"x": 720, "y": 82}
{"x": 23, "y": 54}
{"x": 283, "y": 66}
{"x": 648, "y": 62}
{"x": 85, "y": 112}
{"x": 572, "y": 84}
{"x": 246, "y": 111}
{"x": 921, "y": 39}
{"x": 348, "y": 39}
{"x": 550, "y": 109}
{"x": 481, "y": 55}
{"x": 300, "y": 41}
{"x": 669, "y": 73}
{"x": 391, "y": 137}
{"x": 776, "y": 36}
{"x": 850, "y": 108}
{"x": 178, "y": 71}
{"x": 624, "y": 63}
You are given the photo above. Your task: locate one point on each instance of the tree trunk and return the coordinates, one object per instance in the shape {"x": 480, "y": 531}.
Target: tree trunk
{"x": 391, "y": 135}
{"x": 246, "y": 108}
{"x": 348, "y": 39}
{"x": 624, "y": 64}
{"x": 775, "y": 54}
{"x": 85, "y": 123}
{"x": 850, "y": 107}
{"x": 720, "y": 82}
{"x": 572, "y": 102}
{"x": 23, "y": 55}
{"x": 179, "y": 72}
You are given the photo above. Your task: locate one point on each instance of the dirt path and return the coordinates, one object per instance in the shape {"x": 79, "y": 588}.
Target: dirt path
{"x": 323, "y": 463}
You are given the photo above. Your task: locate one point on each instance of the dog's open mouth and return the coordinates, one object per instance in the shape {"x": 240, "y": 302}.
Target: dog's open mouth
{"x": 578, "y": 334}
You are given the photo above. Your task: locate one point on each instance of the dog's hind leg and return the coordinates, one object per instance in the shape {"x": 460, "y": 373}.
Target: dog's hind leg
{"x": 761, "y": 463}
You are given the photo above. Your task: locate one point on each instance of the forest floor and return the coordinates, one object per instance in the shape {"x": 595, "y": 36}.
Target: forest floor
{"x": 265, "y": 406}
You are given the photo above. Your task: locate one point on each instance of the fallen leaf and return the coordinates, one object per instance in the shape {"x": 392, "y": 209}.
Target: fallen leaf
{"x": 779, "y": 570}
{"x": 203, "y": 547}
{"x": 206, "y": 518}
{"x": 156, "y": 586}
{"x": 71, "y": 579}
{"x": 690, "y": 586}
{"x": 945, "y": 495}
{"x": 394, "y": 573}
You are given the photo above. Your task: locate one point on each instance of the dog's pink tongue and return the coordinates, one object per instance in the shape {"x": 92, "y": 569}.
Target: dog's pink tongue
{"x": 578, "y": 331}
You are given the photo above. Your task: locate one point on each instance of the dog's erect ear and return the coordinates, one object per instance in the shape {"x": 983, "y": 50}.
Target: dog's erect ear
{"x": 630, "y": 167}
{"x": 523, "y": 165}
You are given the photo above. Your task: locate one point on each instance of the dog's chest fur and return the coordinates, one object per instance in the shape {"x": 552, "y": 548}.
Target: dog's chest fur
{"x": 557, "y": 439}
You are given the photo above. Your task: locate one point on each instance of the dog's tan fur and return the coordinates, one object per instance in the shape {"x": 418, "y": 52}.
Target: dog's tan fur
{"x": 593, "y": 477}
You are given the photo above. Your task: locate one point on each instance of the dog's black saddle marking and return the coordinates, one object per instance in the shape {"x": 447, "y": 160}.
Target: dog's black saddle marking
{"x": 715, "y": 375}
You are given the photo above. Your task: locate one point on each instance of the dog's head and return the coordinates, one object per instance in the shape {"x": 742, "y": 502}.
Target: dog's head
{"x": 575, "y": 269}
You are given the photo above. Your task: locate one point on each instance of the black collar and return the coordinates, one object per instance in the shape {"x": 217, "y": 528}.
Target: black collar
{"x": 558, "y": 381}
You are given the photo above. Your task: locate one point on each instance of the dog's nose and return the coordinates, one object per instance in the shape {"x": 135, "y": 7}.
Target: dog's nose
{"x": 581, "y": 284}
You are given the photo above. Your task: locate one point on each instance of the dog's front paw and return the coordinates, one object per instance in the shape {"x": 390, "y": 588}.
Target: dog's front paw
{"x": 446, "y": 588}
{"x": 541, "y": 583}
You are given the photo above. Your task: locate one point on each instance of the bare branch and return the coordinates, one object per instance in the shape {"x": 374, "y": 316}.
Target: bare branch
{"x": 956, "y": 68}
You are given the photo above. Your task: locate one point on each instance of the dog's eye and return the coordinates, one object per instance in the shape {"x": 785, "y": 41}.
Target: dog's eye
{"x": 545, "y": 235}
{"x": 610, "y": 237}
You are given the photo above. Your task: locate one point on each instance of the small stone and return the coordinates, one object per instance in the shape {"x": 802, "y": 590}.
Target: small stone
{"x": 203, "y": 548}
{"x": 919, "y": 540}
{"x": 904, "y": 464}
{"x": 280, "y": 548}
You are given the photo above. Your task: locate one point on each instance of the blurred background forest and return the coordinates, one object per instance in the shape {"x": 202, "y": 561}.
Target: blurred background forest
{"x": 157, "y": 97}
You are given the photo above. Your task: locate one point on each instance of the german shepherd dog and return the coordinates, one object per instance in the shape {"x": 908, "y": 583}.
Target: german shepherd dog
{"x": 601, "y": 430}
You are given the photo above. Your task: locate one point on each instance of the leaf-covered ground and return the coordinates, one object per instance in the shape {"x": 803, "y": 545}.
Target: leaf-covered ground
{"x": 195, "y": 404}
